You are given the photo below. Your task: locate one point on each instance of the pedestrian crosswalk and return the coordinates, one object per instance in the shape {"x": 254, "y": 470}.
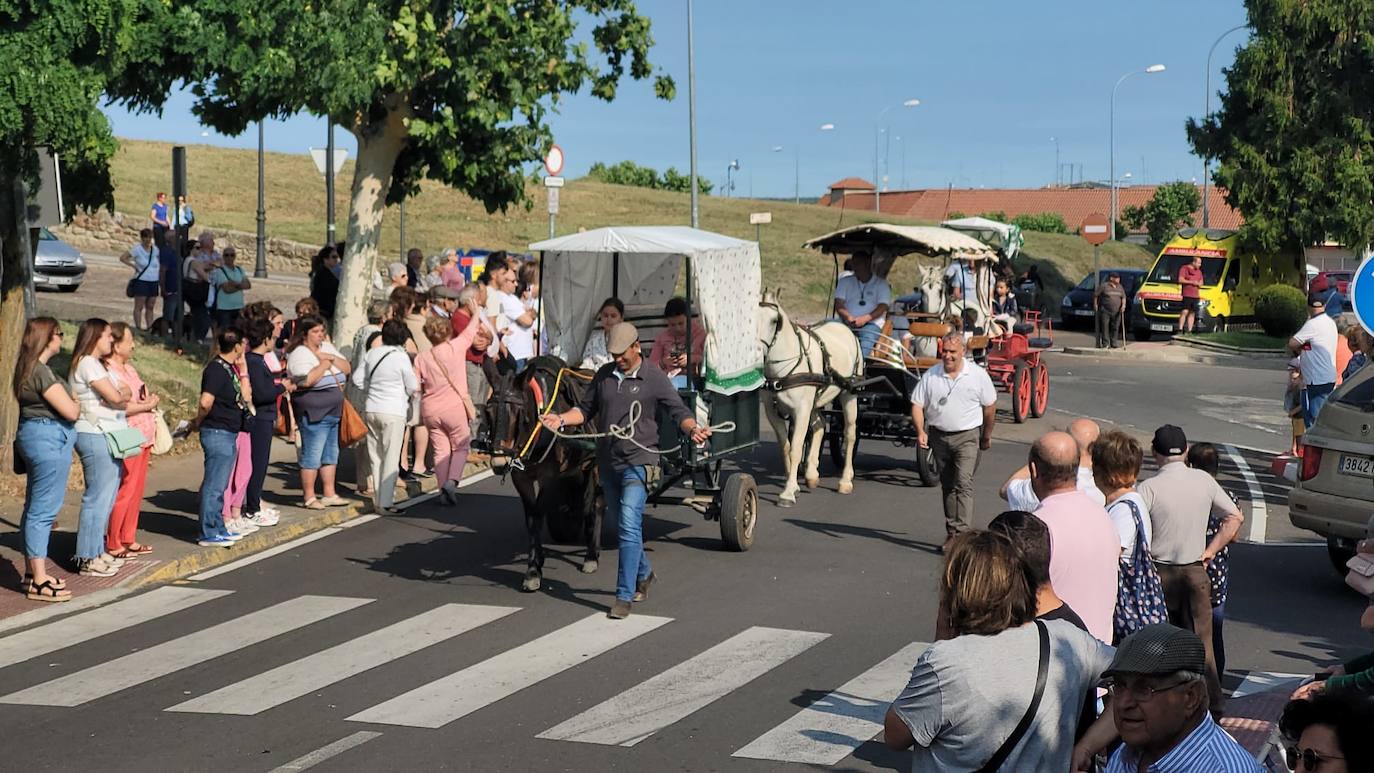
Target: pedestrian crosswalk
{"x": 824, "y": 732}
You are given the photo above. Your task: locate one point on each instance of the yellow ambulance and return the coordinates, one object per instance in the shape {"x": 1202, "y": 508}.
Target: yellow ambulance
{"x": 1230, "y": 281}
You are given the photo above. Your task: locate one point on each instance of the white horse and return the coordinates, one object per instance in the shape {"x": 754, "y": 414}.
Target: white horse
{"x": 931, "y": 280}
{"x": 805, "y": 368}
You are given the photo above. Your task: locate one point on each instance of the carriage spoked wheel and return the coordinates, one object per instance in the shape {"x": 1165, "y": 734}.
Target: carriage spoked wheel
{"x": 927, "y": 466}
{"x": 1040, "y": 390}
{"x": 739, "y": 511}
{"x": 835, "y": 439}
{"x": 1021, "y": 392}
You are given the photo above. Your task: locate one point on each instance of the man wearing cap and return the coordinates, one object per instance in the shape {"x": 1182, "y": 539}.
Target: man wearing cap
{"x": 442, "y": 301}
{"x": 1159, "y": 710}
{"x": 1179, "y": 500}
{"x": 1315, "y": 346}
{"x": 628, "y": 393}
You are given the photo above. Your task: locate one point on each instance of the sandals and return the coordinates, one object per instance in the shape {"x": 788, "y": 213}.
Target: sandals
{"x": 313, "y": 504}
{"x": 137, "y": 549}
{"x": 121, "y": 553}
{"x": 47, "y": 591}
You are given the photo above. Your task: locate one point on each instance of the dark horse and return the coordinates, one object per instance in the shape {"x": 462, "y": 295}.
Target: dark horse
{"x": 556, "y": 478}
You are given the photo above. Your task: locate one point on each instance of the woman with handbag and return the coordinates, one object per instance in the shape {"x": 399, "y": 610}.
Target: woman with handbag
{"x": 1139, "y": 594}
{"x": 143, "y": 286}
{"x": 445, "y": 405}
{"x": 120, "y": 539}
{"x": 222, "y": 413}
{"x": 386, "y": 380}
{"x": 1006, "y": 692}
{"x": 43, "y": 451}
{"x": 320, "y": 372}
{"x": 103, "y": 398}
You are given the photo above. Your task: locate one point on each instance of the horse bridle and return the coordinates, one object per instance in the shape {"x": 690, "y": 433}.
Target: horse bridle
{"x": 773, "y": 339}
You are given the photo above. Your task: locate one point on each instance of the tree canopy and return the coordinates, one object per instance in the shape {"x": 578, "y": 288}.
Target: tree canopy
{"x": 1293, "y": 134}
{"x": 630, "y": 173}
{"x": 1171, "y": 208}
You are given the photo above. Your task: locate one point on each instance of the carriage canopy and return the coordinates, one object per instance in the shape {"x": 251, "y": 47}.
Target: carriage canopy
{"x": 642, "y": 265}
{"x": 889, "y": 241}
{"x": 1004, "y": 236}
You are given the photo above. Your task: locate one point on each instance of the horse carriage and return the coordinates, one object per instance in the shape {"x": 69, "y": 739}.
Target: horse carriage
{"x": 910, "y": 340}
{"x": 557, "y": 477}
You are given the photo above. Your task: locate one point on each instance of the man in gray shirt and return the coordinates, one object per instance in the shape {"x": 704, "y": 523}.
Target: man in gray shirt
{"x": 1179, "y": 500}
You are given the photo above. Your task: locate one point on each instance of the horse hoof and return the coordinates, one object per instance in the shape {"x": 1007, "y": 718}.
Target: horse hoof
{"x": 786, "y": 502}
{"x": 846, "y": 488}
{"x": 813, "y": 482}
{"x": 589, "y": 566}
{"x": 530, "y": 585}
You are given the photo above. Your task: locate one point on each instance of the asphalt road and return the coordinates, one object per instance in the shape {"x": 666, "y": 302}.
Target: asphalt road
{"x": 404, "y": 643}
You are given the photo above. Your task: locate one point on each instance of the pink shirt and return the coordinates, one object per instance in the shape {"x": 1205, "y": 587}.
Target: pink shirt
{"x": 143, "y": 422}
{"x": 666, "y": 341}
{"x": 441, "y": 369}
{"x": 453, "y": 278}
{"x": 1084, "y": 551}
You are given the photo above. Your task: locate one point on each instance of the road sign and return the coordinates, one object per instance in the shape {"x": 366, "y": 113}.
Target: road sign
{"x": 760, "y": 218}
{"x": 1362, "y": 294}
{"x": 553, "y": 182}
{"x": 319, "y": 154}
{"x": 553, "y": 162}
{"x": 553, "y": 201}
{"x": 1095, "y": 228}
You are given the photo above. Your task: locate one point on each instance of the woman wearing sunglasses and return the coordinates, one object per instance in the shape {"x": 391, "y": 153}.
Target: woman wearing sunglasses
{"x": 1330, "y": 733}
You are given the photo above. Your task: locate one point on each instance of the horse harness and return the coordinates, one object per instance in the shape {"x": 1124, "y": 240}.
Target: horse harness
{"x": 828, "y": 376}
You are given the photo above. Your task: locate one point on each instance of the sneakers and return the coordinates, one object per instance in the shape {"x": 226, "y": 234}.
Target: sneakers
{"x": 642, "y": 587}
{"x": 94, "y": 567}
{"x": 240, "y": 528}
{"x": 619, "y": 610}
{"x": 216, "y": 542}
{"x": 114, "y": 562}
{"x": 231, "y": 536}
{"x": 263, "y": 517}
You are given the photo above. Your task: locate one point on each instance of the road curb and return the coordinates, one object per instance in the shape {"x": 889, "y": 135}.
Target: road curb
{"x": 1234, "y": 350}
{"x": 1180, "y": 357}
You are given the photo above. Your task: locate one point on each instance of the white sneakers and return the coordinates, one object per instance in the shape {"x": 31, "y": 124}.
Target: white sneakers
{"x": 268, "y": 516}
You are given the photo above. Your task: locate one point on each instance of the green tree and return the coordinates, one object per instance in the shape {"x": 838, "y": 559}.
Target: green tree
{"x": 457, "y": 91}
{"x": 1170, "y": 208}
{"x": 57, "y": 59}
{"x": 1044, "y": 222}
{"x": 673, "y": 180}
{"x": 1294, "y": 136}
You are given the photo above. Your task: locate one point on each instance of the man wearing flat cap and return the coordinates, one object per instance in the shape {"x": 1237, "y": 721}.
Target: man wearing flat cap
{"x": 628, "y": 393}
{"x": 1159, "y": 710}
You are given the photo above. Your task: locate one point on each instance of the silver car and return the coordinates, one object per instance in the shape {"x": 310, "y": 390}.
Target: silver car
{"x": 1334, "y": 492}
{"x": 57, "y": 264}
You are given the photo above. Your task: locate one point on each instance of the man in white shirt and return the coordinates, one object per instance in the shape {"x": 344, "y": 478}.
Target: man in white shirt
{"x": 1019, "y": 493}
{"x": 953, "y": 408}
{"x": 962, "y": 281}
{"x": 1315, "y": 345}
{"x": 862, "y": 300}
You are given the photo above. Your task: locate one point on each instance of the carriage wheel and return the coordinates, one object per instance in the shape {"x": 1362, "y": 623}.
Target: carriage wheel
{"x": 835, "y": 439}
{"x": 1040, "y": 390}
{"x": 739, "y": 510}
{"x": 1020, "y": 393}
{"x": 927, "y": 466}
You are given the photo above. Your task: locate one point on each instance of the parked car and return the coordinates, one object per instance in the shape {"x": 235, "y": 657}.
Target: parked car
{"x": 57, "y": 264}
{"x": 1325, "y": 279}
{"x": 1334, "y": 492}
{"x": 1076, "y": 310}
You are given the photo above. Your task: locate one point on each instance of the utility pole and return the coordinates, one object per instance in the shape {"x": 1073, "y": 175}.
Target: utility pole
{"x": 692, "y": 115}
{"x": 260, "y": 263}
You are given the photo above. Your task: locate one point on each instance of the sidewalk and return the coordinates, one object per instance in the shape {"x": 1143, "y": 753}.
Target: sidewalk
{"x": 1178, "y": 352}
{"x": 170, "y": 524}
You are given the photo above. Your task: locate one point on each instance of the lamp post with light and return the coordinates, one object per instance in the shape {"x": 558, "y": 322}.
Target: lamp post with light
{"x": 1151, "y": 70}
{"x": 1207, "y": 110}
{"x": 877, "y": 180}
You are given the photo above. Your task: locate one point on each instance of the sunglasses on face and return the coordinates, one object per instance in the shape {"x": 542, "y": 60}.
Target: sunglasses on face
{"x": 1311, "y": 759}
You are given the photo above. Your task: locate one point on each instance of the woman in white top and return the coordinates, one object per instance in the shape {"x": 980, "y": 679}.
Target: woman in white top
{"x": 144, "y": 287}
{"x": 368, "y": 337}
{"x": 1116, "y": 466}
{"x": 387, "y": 381}
{"x": 102, "y": 398}
{"x": 594, "y": 355}
{"x": 320, "y": 372}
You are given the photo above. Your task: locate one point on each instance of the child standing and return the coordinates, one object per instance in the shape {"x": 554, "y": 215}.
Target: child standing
{"x": 1292, "y": 405}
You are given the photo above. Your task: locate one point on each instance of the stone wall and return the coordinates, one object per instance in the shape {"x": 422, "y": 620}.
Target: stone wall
{"x": 110, "y": 234}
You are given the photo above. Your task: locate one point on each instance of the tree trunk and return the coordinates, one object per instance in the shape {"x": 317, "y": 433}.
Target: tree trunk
{"x": 14, "y": 259}
{"x": 379, "y": 145}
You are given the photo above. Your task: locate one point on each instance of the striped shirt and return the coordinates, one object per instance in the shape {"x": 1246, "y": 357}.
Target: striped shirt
{"x": 1208, "y": 748}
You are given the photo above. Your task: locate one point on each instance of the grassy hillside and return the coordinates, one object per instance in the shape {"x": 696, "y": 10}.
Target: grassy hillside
{"x": 223, "y": 185}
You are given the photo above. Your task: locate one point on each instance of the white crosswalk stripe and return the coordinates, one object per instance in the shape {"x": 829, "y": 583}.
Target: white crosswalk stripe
{"x": 831, "y": 729}
{"x": 459, "y": 694}
{"x": 169, "y": 657}
{"x": 639, "y": 712}
{"x": 291, "y": 681}
{"x": 98, "y": 622}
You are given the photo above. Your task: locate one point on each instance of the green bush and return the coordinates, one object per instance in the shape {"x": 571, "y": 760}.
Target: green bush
{"x": 1280, "y": 310}
{"x": 1044, "y": 222}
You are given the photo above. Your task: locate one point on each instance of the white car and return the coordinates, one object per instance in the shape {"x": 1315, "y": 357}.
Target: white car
{"x": 57, "y": 264}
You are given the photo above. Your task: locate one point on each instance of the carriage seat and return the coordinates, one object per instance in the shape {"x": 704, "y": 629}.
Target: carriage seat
{"x": 1024, "y": 328}
{"x": 648, "y": 320}
{"x": 915, "y": 329}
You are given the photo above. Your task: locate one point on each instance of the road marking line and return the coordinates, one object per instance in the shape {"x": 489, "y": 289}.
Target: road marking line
{"x": 463, "y": 692}
{"x": 85, "y": 626}
{"x": 1259, "y": 512}
{"x": 652, "y": 705}
{"x": 359, "y": 521}
{"x": 1263, "y": 681}
{"x": 193, "y": 649}
{"x": 326, "y": 752}
{"x": 831, "y": 729}
{"x": 292, "y": 680}
{"x": 265, "y": 554}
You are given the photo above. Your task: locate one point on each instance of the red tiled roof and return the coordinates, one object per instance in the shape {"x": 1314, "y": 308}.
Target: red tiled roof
{"x": 852, "y": 184}
{"x": 1073, "y": 204}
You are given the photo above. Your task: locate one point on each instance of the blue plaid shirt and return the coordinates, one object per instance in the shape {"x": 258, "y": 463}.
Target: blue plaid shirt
{"x": 1208, "y": 749}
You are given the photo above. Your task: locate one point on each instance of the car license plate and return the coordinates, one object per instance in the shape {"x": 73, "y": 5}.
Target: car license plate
{"x": 1083, "y": 312}
{"x": 1162, "y": 328}
{"x": 1359, "y": 466}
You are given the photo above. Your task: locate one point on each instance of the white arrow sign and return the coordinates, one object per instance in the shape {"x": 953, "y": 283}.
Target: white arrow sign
{"x": 318, "y": 154}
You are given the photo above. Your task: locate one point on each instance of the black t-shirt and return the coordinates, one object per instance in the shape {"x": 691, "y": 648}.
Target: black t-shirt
{"x": 1089, "y": 711}
{"x": 225, "y": 414}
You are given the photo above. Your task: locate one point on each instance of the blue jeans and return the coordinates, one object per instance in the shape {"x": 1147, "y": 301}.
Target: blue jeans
{"x": 868, "y": 337}
{"x": 103, "y": 473}
{"x": 221, "y": 447}
{"x": 319, "y": 442}
{"x": 626, "y": 491}
{"x": 1314, "y": 396}
{"x": 45, "y": 445}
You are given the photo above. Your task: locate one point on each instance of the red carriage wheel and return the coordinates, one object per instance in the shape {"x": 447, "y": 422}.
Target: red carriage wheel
{"x": 1020, "y": 392}
{"x": 1040, "y": 390}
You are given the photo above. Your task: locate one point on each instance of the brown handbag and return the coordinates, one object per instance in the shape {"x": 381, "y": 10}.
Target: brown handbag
{"x": 351, "y": 426}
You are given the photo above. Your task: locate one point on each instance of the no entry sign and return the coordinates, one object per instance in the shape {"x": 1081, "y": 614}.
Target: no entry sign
{"x": 1095, "y": 228}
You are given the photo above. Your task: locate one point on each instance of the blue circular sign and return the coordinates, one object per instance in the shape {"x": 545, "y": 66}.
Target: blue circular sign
{"x": 1362, "y": 294}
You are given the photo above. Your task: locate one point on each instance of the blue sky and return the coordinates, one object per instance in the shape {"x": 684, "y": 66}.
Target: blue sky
{"x": 996, "y": 81}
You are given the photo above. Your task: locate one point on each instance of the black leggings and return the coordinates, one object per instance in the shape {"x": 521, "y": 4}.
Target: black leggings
{"x": 260, "y": 433}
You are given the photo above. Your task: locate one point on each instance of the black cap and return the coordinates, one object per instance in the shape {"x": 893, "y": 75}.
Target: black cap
{"x": 1159, "y": 649}
{"x": 1170, "y": 441}
{"x": 1315, "y": 301}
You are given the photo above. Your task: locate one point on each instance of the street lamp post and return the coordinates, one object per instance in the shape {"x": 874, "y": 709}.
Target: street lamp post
{"x": 260, "y": 263}
{"x": 1206, "y": 111}
{"x": 1055, "y": 140}
{"x": 329, "y": 184}
{"x": 877, "y": 181}
{"x": 692, "y": 115}
{"x": 1152, "y": 69}
{"x": 730, "y": 170}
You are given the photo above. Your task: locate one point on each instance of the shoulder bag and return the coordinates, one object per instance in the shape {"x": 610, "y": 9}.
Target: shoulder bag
{"x": 1139, "y": 591}
{"x": 351, "y": 426}
{"x": 193, "y": 290}
{"x": 1361, "y": 574}
{"x": 123, "y": 442}
{"x": 162, "y": 435}
{"x": 1042, "y": 672}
